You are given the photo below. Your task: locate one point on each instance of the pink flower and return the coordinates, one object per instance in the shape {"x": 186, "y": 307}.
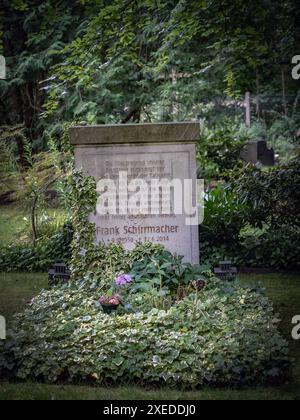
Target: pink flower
{"x": 114, "y": 301}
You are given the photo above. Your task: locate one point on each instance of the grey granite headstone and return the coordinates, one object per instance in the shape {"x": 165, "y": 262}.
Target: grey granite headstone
{"x": 146, "y": 152}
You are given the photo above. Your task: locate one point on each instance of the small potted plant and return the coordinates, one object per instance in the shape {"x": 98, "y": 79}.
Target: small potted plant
{"x": 110, "y": 303}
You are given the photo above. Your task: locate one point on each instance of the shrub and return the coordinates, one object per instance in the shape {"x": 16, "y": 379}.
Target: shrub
{"x": 223, "y": 217}
{"x": 24, "y": 257}
{"x": 280, "y": 133}
{"x": 274, "y": 249}
{"x": 264, "y": 204}
{"x": 48, "y": 224}
{"x": 163, "y": 269}
{"x": 272, "y": 196}
{"x": 212, "y": 253}
{"x": 225, "y": 334}
{"x": 278, "y": 249}
{"x": 220, "y": 148}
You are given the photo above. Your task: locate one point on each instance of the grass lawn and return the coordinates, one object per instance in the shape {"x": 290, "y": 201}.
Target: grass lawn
{"x": 15, "y": 223}
{"x": 284, "y": 290}
{"x": 16, "y": 289}
{"x": 12, "y": 223}
{"x": 31, "y": 391}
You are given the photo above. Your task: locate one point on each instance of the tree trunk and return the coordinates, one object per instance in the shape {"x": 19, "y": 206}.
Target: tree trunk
{"x": 33, "y": 220}
{"x": 248, "y": 109}
{"x": 258, "y": 115}
{"x": 284, "y": 103}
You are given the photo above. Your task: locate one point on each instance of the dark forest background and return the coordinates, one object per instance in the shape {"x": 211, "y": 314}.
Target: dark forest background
{"x": 99, "y": 61}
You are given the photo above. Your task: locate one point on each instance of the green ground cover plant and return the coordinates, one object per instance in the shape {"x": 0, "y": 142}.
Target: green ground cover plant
{"x": 16, "y": 289}
{"x": 166, "y": 330}
{"x": 209, "y": 337}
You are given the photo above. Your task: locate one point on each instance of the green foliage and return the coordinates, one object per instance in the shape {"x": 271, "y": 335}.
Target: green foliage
{"x": 33, "y": 33}
{"x": 43, "y": 171}
{"x": 24, "y": 257}
{"x": 225, "y": 335}
{"x": 273, "y": 196}
{"x": 183, "y": 339}
{"x": 112, "y": 61}
{"x": 280, "y": 133}
{"x": 275, "y": 248}
{"x": 283, "y": 290}
{"x": 11, "y": 140}
{"x": 48, "y": 225}
{"x": 8, "y": 172}
{"x": 160, "y": 61}
{"x": 223, "y": 217}
{"x": 254, "y": 220}
{"x": 220, "y": 147}
{"x": 162, "y": 270}
{"x": 271, "y": 249}
{"x": 82, "y": 202}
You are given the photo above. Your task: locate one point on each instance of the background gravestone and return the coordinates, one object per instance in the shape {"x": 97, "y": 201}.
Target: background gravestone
{"x": 144, "y": 151}
{"x": 258, "y": 152}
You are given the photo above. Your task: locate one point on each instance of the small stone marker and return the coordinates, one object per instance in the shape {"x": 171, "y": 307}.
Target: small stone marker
{"x": 59, "y": 272}
{"x": 145, "y": 167}
{"x": 225, "y": 271}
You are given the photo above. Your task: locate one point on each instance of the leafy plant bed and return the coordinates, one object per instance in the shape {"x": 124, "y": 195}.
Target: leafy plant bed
{"x": 272, "y": 256}
{"x": 29, "y": 258}
{"x": 177, "y": 324}
{"x": 255, "y": 270}
{"x": 225, "y": 334}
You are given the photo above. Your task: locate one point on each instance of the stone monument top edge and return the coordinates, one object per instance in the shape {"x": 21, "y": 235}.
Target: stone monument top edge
{"x": 178, "y": 132}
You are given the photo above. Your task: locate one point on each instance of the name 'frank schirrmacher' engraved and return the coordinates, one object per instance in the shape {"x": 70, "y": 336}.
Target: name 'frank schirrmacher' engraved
{"x": 137, "y": 230}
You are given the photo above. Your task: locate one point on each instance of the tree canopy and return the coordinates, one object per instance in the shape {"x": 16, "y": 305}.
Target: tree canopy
{"x": 107, "y": 61}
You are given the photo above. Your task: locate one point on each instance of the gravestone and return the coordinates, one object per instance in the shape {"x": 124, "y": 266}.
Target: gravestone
{"x": 144, "y": 174}
{"x": 258, "y": 152}
{"x": 226, "y": 271}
